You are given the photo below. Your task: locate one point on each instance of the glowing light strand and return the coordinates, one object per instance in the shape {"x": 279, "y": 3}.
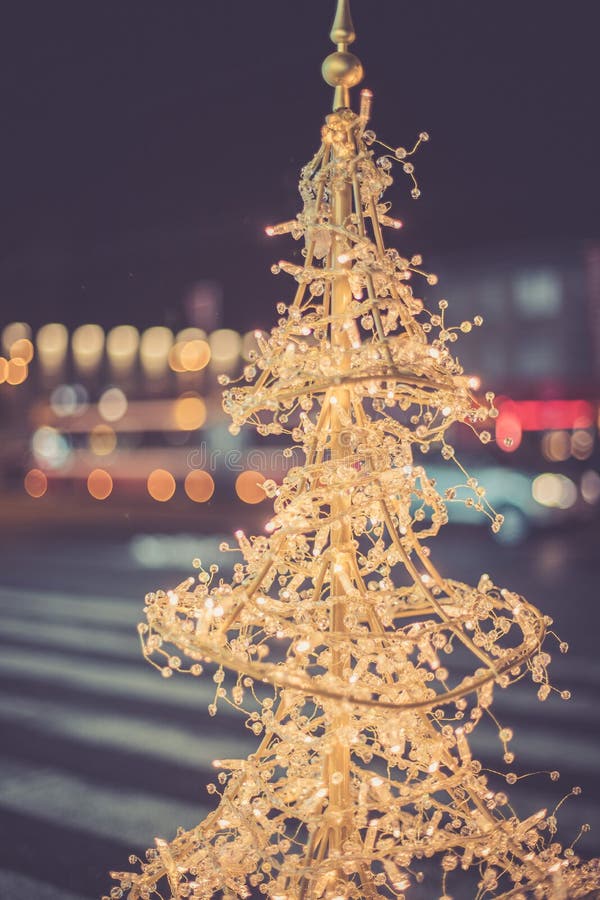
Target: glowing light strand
{"x": 335, "y": 626}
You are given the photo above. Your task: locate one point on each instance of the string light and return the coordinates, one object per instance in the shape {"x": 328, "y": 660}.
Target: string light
{"x": 337, "y": 626}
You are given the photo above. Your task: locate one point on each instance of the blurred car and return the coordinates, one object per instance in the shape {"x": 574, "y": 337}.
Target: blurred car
{"x": 526, "y": 500}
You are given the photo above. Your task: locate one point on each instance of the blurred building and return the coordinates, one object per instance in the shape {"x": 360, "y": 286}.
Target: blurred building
{"x": 541, "y": 310}
{"x": 132, "y": 414}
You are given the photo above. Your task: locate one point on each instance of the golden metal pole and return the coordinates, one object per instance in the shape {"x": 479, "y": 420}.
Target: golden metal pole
{"x": 342, "y": 70}
{"x": 338, "y": 762}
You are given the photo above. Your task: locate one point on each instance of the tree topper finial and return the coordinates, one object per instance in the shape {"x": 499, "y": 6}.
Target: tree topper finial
{"x": 342, "y": 70}
{"x": 342, "y": 30}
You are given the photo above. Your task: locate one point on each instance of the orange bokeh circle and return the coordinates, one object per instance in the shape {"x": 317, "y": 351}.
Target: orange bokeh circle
{"x": 99, "y": 484}
{"x": 161, "y": 485}
{"x": 247, "y": 486}
{"x": 199, "y": 486}
{"x": 36, "y": 483}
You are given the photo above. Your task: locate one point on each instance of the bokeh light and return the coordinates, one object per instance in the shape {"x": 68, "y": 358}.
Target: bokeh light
{"x": 68, "y": 400}
{"x": 225, "y": 348}
{"x": 51, "y": 344}
{"x": 161, "y": 485}
{"x": 199, "y": 486}
{"x": 22, "y": 349}
{"x": 102, "y": 440}
{"x": 556, "y": 491}
{"x": 154, "y": 350}
{"x": 582, "y": 444}
{"x": 189, "y": 356}
{"x": 100, "y": 484}
{"x": 590, "y": 486}
{"x": 189, "y": 412}
{"x": 3, "y": 369}
{"x": 36, "y": 483}
{"x": 112, "y": 404}
{"x": 17, "y": 372}
{"x": 63, "y": 400}
{"x": 87, "y": 344}
{"x": 509, "y": 432}
{"x": 14, "y": 331}
{"x": 248, "y": 486}
{"x": 50, "y": 447}
{"x": 195, "y": 355}
{"x": 122, "y": 344}
{"x": 556, "y": 446}
{"x": 174, "y": 358}
{"x": 190, "y": 334}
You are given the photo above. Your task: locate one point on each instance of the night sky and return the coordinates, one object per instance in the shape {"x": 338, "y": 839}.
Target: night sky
{"x": 147, "y": 143}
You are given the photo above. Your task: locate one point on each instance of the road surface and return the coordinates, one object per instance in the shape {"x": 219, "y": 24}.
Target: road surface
{"x": 99, "y": 754}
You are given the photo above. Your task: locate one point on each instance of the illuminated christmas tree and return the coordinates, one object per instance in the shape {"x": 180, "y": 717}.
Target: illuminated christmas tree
{"x": 339, "y": 630}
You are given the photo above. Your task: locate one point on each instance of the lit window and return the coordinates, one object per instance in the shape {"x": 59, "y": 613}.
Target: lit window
{"x": 538, "y": 294}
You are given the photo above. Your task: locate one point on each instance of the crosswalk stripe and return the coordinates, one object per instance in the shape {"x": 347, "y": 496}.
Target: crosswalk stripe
{"x": 15, "y": 885}
{"x": 173, "y": 744}
{"x": 51, "y": 661}
{"x": 70, "y": 637}
{"x": 124, "y": 814}
{"x": 113, "y": 678}
{"x": 61, "y": 605}
{"x": 123, "y": 614}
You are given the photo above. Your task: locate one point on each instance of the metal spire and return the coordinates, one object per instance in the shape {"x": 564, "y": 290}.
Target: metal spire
{"x": 342, "y": 69}
{"x": 342, "y": 30}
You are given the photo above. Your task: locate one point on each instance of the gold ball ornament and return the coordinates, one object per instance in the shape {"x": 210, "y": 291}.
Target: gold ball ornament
{"x": 342, "y": 69}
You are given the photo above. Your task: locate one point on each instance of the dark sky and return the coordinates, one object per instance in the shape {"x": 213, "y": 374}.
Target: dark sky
{"x": 146, "y": 143}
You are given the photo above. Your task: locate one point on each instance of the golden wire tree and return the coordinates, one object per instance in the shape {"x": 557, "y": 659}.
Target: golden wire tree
{"x": 337, "y": 626}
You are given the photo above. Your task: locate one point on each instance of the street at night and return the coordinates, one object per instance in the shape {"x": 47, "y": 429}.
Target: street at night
{"x": 100, "y": 754}
{"x": 299, "y": 451}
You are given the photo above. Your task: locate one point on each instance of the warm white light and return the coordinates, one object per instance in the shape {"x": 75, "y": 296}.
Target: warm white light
{"x": 122, "y": 344}
{"x": 554, "y": 490}
{"x": 87, "y": 344}
{"x": 13, "y": 332}
{"x": 190, "y": 334}
{"x": 154, "y": 350}
{"x": 225, "y": 347}
{"x": 112, "y": 404}
{"x": 51, "y": 344}
{"x": 189, "y": 412}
